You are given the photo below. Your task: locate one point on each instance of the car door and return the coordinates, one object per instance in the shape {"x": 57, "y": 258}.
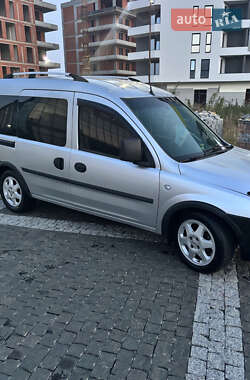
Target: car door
{"x": 43, "y": 144}
{"x": 102, "y": 183}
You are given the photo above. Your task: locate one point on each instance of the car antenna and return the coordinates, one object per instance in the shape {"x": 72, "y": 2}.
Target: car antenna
{"x": 149, "y": 48}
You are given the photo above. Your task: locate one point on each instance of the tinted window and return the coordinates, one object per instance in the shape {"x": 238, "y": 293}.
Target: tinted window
{"x": 101, "y": 129}
{"x": 43, "y": 120}
{"x": 8, "y": 107}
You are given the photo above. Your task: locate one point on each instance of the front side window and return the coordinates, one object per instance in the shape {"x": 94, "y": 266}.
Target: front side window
{"x": 177, "y": 130}
{"x": 8, "y": 108}
{"x": 101, "y": 131}
{"x": 43, "y": 120}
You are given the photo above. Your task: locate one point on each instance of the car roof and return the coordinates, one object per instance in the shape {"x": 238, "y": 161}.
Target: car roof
{"x": 110, "y": 87}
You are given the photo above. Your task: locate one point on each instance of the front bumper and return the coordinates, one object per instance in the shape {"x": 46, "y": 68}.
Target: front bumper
{"x": 241, "y": 228}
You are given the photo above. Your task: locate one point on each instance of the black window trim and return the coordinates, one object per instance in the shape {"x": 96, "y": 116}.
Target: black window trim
{"x": 84, "y": 101}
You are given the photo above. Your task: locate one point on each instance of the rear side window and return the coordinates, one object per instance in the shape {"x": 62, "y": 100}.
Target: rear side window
{"x": 8, "y": 108}
{"x": 43, "y": 120}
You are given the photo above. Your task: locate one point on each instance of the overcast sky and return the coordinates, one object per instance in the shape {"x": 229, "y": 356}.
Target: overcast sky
{"x": 55, "y": 18}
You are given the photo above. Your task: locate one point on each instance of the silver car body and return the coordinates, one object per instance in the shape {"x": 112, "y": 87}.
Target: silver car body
{"x": 120, "y": 190}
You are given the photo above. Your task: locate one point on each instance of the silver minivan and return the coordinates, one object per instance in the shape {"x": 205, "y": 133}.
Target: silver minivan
{"x": 114, "y": 148}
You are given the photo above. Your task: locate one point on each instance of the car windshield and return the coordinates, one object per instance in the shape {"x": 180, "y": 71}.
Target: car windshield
{"x": 179, "y": 132}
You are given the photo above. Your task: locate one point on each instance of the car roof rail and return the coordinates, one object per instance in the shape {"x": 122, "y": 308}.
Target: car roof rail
{"x": 33, "y": 74}
{"x": 134, "y": 79}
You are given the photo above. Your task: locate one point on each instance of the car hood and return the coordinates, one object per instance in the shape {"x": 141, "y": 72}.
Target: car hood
{"x": 229, "y": 170}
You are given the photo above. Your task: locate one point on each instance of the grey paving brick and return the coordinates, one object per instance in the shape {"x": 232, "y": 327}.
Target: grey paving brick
{"x": 196, "y": 367}
{"x": 41, "y": 374}
{"x": 136, "y": 375}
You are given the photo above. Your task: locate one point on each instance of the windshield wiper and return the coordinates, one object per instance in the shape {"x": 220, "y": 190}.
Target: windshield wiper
{"x": 217, "y": 149}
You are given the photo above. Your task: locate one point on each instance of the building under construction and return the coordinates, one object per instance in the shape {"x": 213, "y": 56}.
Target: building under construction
{"x": 96, "y": 37}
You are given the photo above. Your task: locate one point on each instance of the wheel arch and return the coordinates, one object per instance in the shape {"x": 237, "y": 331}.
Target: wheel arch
{"x": 176, "y": 211}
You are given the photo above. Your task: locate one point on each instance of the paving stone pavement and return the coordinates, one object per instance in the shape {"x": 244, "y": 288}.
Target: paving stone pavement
{"x": 114, "y": 303}
{"x": 91, "y": 307}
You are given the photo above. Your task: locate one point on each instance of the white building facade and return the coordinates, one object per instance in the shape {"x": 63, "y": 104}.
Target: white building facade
{"x": 194, "y": 64}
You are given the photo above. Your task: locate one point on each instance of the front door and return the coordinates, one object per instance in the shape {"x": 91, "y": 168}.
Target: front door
{"x": 102, "y": 183}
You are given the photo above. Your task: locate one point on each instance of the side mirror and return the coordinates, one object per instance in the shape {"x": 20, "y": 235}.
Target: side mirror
{"x": 131, "y": 150}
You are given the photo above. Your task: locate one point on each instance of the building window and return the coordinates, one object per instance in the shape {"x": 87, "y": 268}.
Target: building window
{"x": 1, "y": 30}
{"x": 11, "y": 5}
{"x": 156, "y": 18}
{"x": 205, "y": 65}
{"x": 30, "y": 58}
{"x": 208, "y": 42}
{"x": 2, "y": 8}
{"x": 155, "y": 68}
{"x": 200, "y": 97}
{"x": 15, "y": 70}
{"x": 127, "y": 51}
{"x": 196, "y": 41}
{"x": 11, "y": 31}
{"x": 92, "y": 23}
{"x": 127, "y": 66}
{"x": 209, "y": 13}
{"x": 4, "y": 71}
{"x": 16, "y": 55}
{"x": 101, "y": 129}
{"x": 192, "y": 68}
{"x": 121, "y": 66}
{"x": 127, "y": 37}
{"x": 248, "y": 96}
{"x": 155, "y": 43}
{"x": 196, "y": 10}
{"x": 27, "y": 34}
{"x": 127, "y": 21}
{"x": 4, "y": 52}
{"x": 120, "y": 51}
{"x": 121, "y": 36}
{"x": 37, "y": 15}
{"x": 26, "y": 13}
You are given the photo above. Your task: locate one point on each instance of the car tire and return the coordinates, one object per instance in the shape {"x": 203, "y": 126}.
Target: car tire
{"x": 14, "y": 192}
{"x": 203, "y": 242}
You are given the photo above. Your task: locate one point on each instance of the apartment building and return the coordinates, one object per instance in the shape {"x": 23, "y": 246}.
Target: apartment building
{"x": 96, "y": 39}
{"x": 23, "y": 45}
{"x": 195, "y": 65}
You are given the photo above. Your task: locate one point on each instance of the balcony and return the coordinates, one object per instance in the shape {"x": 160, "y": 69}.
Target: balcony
{"x": 107, "y": 11}
{"x": 45, "y": 26}
{"x": 115, "y": 72}
{"x": 234, "y": 51}
{"x": 143, "y": 55}
{"x": 112, "y": 42}
{"x": 245, "y": 24}
{"x": 49, "y": 65}
{"x": 47, "y": 45}
{"x": 44, "y": 7}
{"x": 100, "y": 28}
{"x": 140, "y": 31}
{"x": 109, "y": 58}
{"x": 142, "y": 5}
